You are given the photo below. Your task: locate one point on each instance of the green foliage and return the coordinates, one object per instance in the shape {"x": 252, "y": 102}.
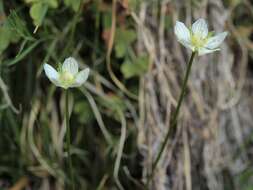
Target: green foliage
{"x": 132, "y": 66}
{"x": 245, "y": 179}
{"x": 74, "y": 4}
{"x": 37, "y": 12}
{"x": 107, "y": 19}
{"x": 50, "y": 3}
{"x": 123, "y": 40}
{"x": 6, "y": 37}
{"x": 39, "y": 9}
{"x": 136, "y": 68}
{"x": 84, "y": 112}
{"x": 17, "y": 25}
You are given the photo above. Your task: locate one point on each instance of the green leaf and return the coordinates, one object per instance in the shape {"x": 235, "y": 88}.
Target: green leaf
{"x": 244, "y": 179}
{"x": 120, "y": 50}
{"x": 31, "y": 1}
{"x": 23, "y": 54}
{"x": 52, "y": 3}
{"x": 38, "y": 12}
{"x": 7, "y": 35}
{"x": 138, "y": 68}
{"x": 84, "y": 112}
{"x": 74, "y": 4}
{"x": 123, "y": 39}
{"x": 39, "y": 9}
{"x": 4, "y": 38}
{"x": 107, "y": 20}
{"x": 125, "y": 36}
{"x": 18, "y": 26}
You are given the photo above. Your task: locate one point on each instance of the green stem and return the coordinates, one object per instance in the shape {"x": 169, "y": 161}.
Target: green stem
{"x": 173, "y": 123}
{"x": 68, "y": 140}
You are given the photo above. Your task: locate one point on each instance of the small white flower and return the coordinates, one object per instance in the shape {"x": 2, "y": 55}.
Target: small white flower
{"x": 68, "y": 75}
{"x": 197, "y": 38}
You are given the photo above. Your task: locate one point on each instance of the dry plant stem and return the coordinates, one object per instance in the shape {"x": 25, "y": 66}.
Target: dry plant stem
{"x": 68, "y": 140}
{"x": 117, "y": 82}
{"x": 173, "y": 123}
{"x": 4, "y": 89}
{"x": 120, "y": 149}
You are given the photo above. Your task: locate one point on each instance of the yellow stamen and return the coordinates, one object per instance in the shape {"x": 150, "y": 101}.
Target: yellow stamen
{"x": 66, "y": 78}
{"x": 197, "y": 41}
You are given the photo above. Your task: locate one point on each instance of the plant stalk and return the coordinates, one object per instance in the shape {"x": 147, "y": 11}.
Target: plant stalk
{"x": 68, "y": 140}
{"x": 173, "y": 123}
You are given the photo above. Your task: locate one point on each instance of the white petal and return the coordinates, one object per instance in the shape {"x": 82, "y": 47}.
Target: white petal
{"x": 214, "y": 42}
{"x": 52, "y": 74}
{"x": 81, "y": 77}
{"x": 200, "y": 28}
{"x": 203, "y": 51}
{"x": 187, "y": 45}
{"x": 182, "y": 32}
{"x": 70, "y": 65}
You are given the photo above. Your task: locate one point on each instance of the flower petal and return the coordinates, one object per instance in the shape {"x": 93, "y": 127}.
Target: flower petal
{"x": 182, "y": 32}
{"x": 70, "y": 65}
{"x": 52, "y": 74}
{"x": 203, "y": 51}
{"x": 215, "y": 42}
{"x": 187, "y": 45}
{"x": 81, "y": 77}
{"x": 200, "y": 28}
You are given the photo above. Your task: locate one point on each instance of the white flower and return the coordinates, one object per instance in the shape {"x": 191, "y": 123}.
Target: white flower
{"x": 68, "y": 75}
{"x": 197, "y": 38}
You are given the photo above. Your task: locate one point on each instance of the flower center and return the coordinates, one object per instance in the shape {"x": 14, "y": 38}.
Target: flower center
{"x": 197, "y": 41}
{"x": 66, "y": 78}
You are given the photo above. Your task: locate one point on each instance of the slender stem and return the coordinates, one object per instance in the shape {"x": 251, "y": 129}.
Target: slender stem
{"x": 68, "y": 140}
{"x": 173, "y": 123}
{"x": 174, "y": 120}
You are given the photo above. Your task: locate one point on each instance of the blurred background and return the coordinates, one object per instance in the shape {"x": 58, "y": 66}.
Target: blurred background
{"x": 120, "y": 116}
